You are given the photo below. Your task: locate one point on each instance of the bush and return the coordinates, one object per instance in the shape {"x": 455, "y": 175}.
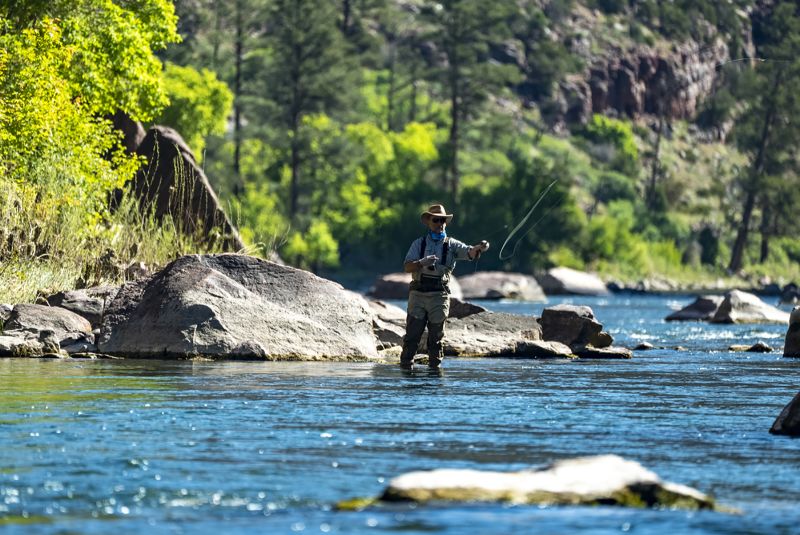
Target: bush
{"x": 618, "y": 134}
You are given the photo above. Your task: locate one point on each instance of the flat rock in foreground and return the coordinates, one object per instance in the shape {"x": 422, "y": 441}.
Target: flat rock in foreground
{"x": 599, "y": 480}
{"x": 236, "y": 306}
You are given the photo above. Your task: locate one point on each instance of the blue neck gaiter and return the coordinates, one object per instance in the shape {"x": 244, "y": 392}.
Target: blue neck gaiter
{"x": 438, "y": 236}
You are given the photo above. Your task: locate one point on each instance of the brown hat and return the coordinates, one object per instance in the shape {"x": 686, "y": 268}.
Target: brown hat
{"x": 435, "y": 210}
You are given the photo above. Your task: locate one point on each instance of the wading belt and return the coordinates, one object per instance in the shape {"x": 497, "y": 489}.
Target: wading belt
{"x": 431, "y": 283}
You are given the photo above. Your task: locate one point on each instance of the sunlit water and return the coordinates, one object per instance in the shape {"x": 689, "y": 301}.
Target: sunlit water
{"x": 201, "y": 447}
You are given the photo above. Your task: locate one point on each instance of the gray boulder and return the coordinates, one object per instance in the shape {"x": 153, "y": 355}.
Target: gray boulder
{"x": 236, "y": 306}
{"x": 498, "y": 334}
{"x": 33, "y": 321}
{"x": 574, "y": 326}
{"x": 18, "y": 345}
{"x": 602, "y": 479}
{"x": 788, "y": 421}
{"x": 702, "y": 309}
{"x": 743, "y": 307}
{"x": 564, "y": 280}
{"x": 501, "y": 285}
{"x": 395, "y": 286}
{"x": 388, "y": 323}
{"x": 89, "y": 303}
{"x": 172, "y": 184}
{"x": 791, "y": 346}
{"x": 461, "y": 309}
{"x": 611, "y": 352}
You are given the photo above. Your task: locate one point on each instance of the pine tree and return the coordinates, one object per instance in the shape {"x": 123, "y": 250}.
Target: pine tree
{"x": 769, "y": 131}
{"x": 306, "y": 72}
{"x": 463, "y": 30}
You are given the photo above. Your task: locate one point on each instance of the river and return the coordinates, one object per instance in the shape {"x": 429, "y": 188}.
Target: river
{"x": 247, "y": 447}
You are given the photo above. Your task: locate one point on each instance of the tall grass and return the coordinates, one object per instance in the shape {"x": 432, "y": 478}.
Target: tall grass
{"x": 52, "y": 241}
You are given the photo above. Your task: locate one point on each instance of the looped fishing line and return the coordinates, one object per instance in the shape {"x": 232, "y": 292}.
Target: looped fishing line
{"x": 522, "y": 224}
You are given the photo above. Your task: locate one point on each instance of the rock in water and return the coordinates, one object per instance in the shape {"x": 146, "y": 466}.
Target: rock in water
{"x": 237, "y": 306}
{"x": 703, "y": 309}
{"x": 791, "y": 346}
{"x": 501, "y": 285}
{"x": 603, "y": 479}
{"x": 743, "y": 307}
{"x": 564, "y": 280}
{"x": 788, "y": 421}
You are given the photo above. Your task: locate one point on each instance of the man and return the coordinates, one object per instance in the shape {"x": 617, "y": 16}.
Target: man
{"x": 430, "y": 260}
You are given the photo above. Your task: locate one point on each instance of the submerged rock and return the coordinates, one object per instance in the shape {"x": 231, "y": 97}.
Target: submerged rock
{"x": 603, "y": 479}
{"x": 702, "y": 309}
{"x": 611, "y": 352}
{"x": 788, "y": 421}
{"x": 758, "y": 347}
{"x": 501, "y": 285}
{"x": 237, "y": 306}
{"x": 564, "y": 280}
{"x": 743, "y": 307}
{"x": 791, "y": 346}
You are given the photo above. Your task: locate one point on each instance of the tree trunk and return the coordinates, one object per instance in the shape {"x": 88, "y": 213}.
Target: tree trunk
{"x": 737, "y": 254}
{"x": 655, "y": 169}
{"x": 390, "y": 91}
{"x": 455, "y": 113}
{"x": 238, "y": 188}
{"x": 347, "y": 10}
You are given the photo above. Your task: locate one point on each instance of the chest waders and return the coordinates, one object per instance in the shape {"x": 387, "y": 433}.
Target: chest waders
{"x": 428, "y": 298}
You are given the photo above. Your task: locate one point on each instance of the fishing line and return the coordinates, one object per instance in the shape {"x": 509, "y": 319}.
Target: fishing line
{"x": 522, "y": 224}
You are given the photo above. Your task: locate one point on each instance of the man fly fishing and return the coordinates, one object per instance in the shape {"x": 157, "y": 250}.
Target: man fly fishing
{"x": 430, "y": 260}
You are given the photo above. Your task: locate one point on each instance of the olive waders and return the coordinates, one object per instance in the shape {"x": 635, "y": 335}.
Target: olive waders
{"x": 428, "y": 305}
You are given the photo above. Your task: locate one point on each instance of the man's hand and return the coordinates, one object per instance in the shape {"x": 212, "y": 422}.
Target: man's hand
{"x": 478, "y": 248}
{"x": 428, "y": 260}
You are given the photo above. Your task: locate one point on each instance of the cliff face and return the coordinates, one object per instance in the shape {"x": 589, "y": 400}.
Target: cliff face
{"x": 631, "y": 79}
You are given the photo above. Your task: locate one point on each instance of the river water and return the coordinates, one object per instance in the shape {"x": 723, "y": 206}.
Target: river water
{"x": 203, "y": 447}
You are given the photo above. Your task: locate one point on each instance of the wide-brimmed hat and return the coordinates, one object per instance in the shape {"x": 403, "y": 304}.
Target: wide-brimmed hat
{"x": 435, "y": 210}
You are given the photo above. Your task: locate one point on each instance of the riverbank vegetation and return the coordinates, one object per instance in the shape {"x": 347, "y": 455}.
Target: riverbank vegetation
{"x": 327, "y": 126}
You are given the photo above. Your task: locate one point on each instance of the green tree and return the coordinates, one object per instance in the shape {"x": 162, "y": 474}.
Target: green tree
{"x": 463, "y": 30}
{"x": 769, "y": 130}
{"x": 199, "y": 105}
{"x": 306, "y": 72}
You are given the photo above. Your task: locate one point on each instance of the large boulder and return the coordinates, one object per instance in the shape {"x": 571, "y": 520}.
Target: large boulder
{"x": 499, "y": 334}
{"x": 788, "y": 421}
{"x": 574, "y": 326}
{"x": 237, "y": 306}
{"x": 89, "y": 303}
{"x": 791, "y": 346}
{"x": 395, "y": 286}
{"x": 743, "y": 307}
{"x": 598, "y": 480}
{"x": 501, "y": 285}
{"x": 172, "y": 184}
{"x": 564, "y": 280}
{"x": 702, "y": 309}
